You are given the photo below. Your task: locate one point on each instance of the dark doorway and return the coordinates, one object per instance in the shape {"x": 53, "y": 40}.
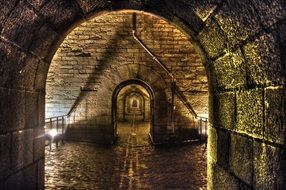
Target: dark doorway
{"x": 132, "y": 108}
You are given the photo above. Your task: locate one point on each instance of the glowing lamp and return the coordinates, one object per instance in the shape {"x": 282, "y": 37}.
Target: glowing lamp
{"x": 53, "y": 133}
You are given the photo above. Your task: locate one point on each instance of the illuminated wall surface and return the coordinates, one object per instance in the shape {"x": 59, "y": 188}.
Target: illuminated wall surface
{"x": 241, "y": 44}
{"x": 100, "y": 54}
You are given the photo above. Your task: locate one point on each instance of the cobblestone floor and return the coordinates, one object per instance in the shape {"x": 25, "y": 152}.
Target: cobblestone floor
{"x": 131, "y": 164}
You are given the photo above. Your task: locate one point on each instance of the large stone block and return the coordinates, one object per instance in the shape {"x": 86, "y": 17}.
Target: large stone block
{"x": 281, "y": 29}
{"x": 3, "y": 109}
{"x": 24, "y": 73}
{"x": 213, "y": 39}
{"x": 12, "y": 109}
{"x": 10, "y": 57}
{"x": 263, "y": 62}
{"x": 270, "y": 11}
{"x": 61, "y": 13}
{"x": 41, "y": 76}
{"x": 21, "y": 25}
{"x": 41, "y": 174}
{"x": 184, "y": 11}
{"x": 241, "y": 157}
{"x": 282, "y": 45}
{"x": 133, "y": 4}
{"x": 212, "y": 144}
{"x": 250, "y": 113}
{"x": 269, "y": 167}
{"x": 238, "y": 20}
{"x": 24, "y": 179}
{"x": 275, "y": 115}
{"x": 223, "y": 147}
{"x": 43, "y": 41}
{"x": 88, "y": 6}
{"x": 41, "y": 109}
{"x": 244, "y": 186}
{"x": 22, "y": 149}
{"x": 203, "y": 8}
{"x": 39, "y": 143}
{"x": 31, "y": 110}
{"x": 5, "y": 150}
{"x": 230, "y": 71}
{"x": 221, "y": 179}
{"x": 224, "y": 110}
{"x": 37, "y": 4}
{"x": 5, "y": 8}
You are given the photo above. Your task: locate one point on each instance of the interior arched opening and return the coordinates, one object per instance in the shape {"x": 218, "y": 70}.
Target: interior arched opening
{"x": 96, "y": 59}
{"x": 132, "y": 108}
{"x": 103, "y": 52}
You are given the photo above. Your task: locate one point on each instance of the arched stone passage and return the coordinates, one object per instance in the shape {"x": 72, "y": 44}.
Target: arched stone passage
{"x": 133, "y": 103}
{"x": 242, "y": 44}
{"x": 99, "y": 54}
{"x": 136, "y": 89}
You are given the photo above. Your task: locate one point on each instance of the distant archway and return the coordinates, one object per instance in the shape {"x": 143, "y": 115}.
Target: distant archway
{"x": 134, "y": 105}
{"x": 134, "y": 101}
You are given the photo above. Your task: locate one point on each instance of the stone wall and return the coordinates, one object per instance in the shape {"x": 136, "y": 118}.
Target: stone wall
{"x": 242, "y": 45}
{"x": 107, "y": 41}
{"x": 102, "y": 53}
{"x": 247, "y": 111}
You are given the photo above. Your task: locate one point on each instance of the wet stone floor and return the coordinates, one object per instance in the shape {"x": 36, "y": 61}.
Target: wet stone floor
{"x": 133, "y": 163}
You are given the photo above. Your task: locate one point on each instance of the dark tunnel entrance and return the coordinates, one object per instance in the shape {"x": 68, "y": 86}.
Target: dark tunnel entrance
{"x": 132, "y": 108}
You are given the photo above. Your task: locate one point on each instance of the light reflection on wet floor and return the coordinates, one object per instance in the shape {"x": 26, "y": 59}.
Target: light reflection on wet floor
{"x": 131, "y": 164}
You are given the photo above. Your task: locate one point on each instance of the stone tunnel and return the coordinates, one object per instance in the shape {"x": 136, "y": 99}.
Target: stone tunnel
{"x": 165, "y": 63}
{"x": 99, "y": 56}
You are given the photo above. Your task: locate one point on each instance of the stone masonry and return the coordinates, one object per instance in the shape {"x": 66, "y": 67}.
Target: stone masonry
{"x": 99, "y": 54}
{"x": 241, "y": 45}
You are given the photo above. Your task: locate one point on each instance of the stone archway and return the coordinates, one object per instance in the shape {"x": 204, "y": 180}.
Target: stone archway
{"x": 241, "y": 43}
{"x": 151, "y": 99}
{"x": 134, "y": 103}
{"x": 100, "y": 53}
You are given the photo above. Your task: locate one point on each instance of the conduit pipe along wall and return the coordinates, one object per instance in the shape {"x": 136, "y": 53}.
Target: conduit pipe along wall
{"x": 173, "y": 85}
{"x": 148, "y": 50}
